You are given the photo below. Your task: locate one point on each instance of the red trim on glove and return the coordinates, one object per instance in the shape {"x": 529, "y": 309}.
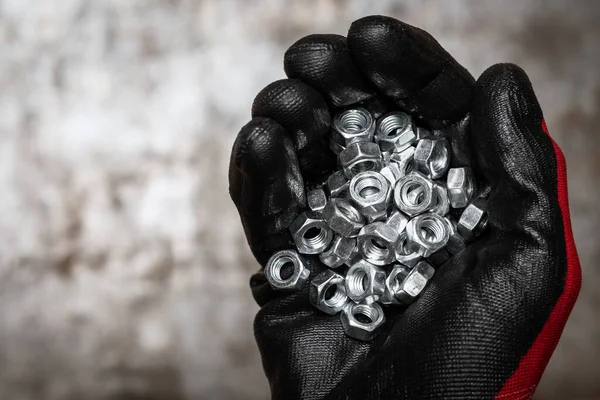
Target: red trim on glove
{"x": 524, "y": 380}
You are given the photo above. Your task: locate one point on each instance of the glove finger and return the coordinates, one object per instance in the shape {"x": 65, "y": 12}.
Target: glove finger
{"x": 303, "y": 113}
{"x": 409, "y": 66}
{"x": 266, "y": 185}
{"x": 325, "y": 63}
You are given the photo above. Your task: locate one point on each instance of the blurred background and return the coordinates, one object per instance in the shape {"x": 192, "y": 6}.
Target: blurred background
{"x": 123, "y": 266}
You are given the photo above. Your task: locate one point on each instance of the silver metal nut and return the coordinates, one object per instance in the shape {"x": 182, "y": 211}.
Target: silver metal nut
{"x": 403, "y": 254}
{"x": 365, "y": 282}
{"x": 377, "y": 243}
{"x": 460, "y": 183}
{"x": 355, "y": 125}
{"x": 397, "y": 221}
{"x": 395, "y": 132}
{"x": 405, "y": 160}
{"x": 392, "y": 173}
{"x": 392, "y": 284}
{"x": 415, "y": 282}
{"x": 327, "y": 292}
{"x": 310, "y": 233}
{"x": 317, "y": 200}
{"x": 427, "y": 234}
{"x": 370, "y": 192}
{"x": 354, "y": 258}
{"x": 339, "y": 252}
{"x": 337, "y": 184}
{"x": 343, "y": 218}
{"x": 352, "y": 321}
{"x": 423, "y": 133}
{"x": 275, "y": 266}
{"x": 473, "y": 220}
{"x": 456, "y": 243}
{"x": 413, "y": 194}
{"x": 432, "y": 157}
{"x": 442, "y": 202}
{"x": 380, "y": 216}
{"x": 359, "y": 157}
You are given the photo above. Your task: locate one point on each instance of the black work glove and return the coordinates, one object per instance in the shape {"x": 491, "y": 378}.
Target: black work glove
{"x": 492, "y": 315}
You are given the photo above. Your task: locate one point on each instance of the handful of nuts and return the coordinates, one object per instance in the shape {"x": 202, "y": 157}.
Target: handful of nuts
{"x": 381, "y": 221}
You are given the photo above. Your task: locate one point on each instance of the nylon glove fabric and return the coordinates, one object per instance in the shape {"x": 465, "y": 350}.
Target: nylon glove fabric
{"x": 492, "y": 315}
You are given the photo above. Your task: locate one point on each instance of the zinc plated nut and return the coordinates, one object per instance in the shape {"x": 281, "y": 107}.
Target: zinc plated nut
{"x": 473, "y": 220}
{"x": 340, "y": 251}
{"x": 355, "y": 328}
{"x": 395, "y": 132}
{"x": 359, "y": 157}
{"x": 414, "y": 283}
{"x": 392, "y": 284}
{"x": 427, "y": 233}
{"x": 442, "y": 202}
{"x": 413, "y": 194}
{"x": 354, "y": 125}
{"x": 365, "y": 282}
{"x": 370, "y": 192}
{"x": 377, "y": 243}
{"x": 392, "y": 173}
{"x": 456, "y": 243}
{"x": 310, "y": 233}
{"x": 337, "y": 184}
{"x": 320, "y": 296}
{"x": 317, "y": 200}
{"x": 460, "y": 183}
{"x": 432, "y": 157}
{"x": 343, "y": 218}
{"x": 403, "y": 254}
{"x": 274, "y": 268}
{"x": 404, "y": 160}
{"x": 397, "y": 221}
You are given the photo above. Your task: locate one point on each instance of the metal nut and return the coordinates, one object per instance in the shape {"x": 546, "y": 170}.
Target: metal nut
{"x": 392, "y": 284}
{"x": 403, "y": 254}
{"x": 461, "y": 186}
{"x": 405, "y": 160}
{"x": 279, "y": 260}
{"x": 432, "y": 157}
{"x": 317, "y": 200}
{"x": 423, "y": 133}
{"x": 365, "y": 282}
{"x": 442, "y": 203}
{"x": 414, "y": 194}
{"x": 415, "y": 282}
{"x": 337, "y": 184}
{"x": 370, "y": 192}
{"x": 327, "y": 292}
{"x": 456, "y": 243}
{"x": 339, "y": 252}
{"x": 343, "y": 218}
{"x": 397, "y": 221}
{"x": 473, "y": 220}
{"x": 395, "y": 132}
{"x": 376, "y": 242}
{"x": 392, "y": 173}
{"x": 359, "y": 157}
{"x": 310, "y": 233}
{"x": 350, "y": 126}
{"x": 427, "y": 234}
{"x": 355, "y": 328}
{"x": 380, "y": 216}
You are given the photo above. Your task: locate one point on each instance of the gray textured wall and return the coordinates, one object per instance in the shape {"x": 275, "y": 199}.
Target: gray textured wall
{"x": 123, "y": 267}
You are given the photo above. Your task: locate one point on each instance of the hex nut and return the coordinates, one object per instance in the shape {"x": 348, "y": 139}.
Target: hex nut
{"x": 380, "y": 216}
{"x": 275, "y": 266}
{"x": 343, "y": 218}
{"x": 392, "y": 173}
{"x": 339, "y": 252}
{"x": 354, "y": 258}
{"x": 327, "y": 292}
{"x": 370, "y": 192}
{"x": 397, "y": 221}
{"x": 442, "y": 202}
{"x": 405, "y": 161}
{"x": 473, "y": 220}
{"x": 337, "y": 184}
{"x": 377, "y": 243}
{"x": 456, "y": 243}
{"x": 359, "y": 157}
{"x": 423, "y": 133}
{"x": 317, "y": 200}
{"x": 413, "y": 194}
{"x": 354, "y": 125}
{"x": 356, "y": 329}
{"x": 392, "y": 284}
{"x": 310, "y": 233}
{"x": 415, "y": 282}
{"x": 403, "y": 254}
{"x": 427, "y": 234}
{"x": 432, "y": 157}
{"x": 460, "y": 183}
{"x": 365, "y": 282}
{"x": 395, "y": 132}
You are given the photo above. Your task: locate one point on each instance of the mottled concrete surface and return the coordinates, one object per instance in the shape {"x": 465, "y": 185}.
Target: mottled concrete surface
{"x": 123, "y": 267}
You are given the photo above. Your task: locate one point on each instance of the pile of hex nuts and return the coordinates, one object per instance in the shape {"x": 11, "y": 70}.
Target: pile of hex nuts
{"x": 379, "y": 221}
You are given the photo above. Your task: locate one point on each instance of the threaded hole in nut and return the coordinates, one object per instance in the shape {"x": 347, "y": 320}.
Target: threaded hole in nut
{"x": 335, "y": 295}
{"x": 314, "y": 237}
{"x": 365, "y": 314}
{"x": 393, "y": 125}
{"x": 413, "y": 194}
{"x": 368, "y": 187}
{"x": 358, "y": 282}
{"x": 363, "y": 166}
{"x": 284, "y": 268}
{"x": 375, "y": 250}
{"x": 431, "y": 230}
{"x": 353, "y": 121}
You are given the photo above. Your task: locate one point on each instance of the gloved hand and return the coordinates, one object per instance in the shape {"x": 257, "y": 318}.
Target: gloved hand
{"x": 492, "y": 315}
